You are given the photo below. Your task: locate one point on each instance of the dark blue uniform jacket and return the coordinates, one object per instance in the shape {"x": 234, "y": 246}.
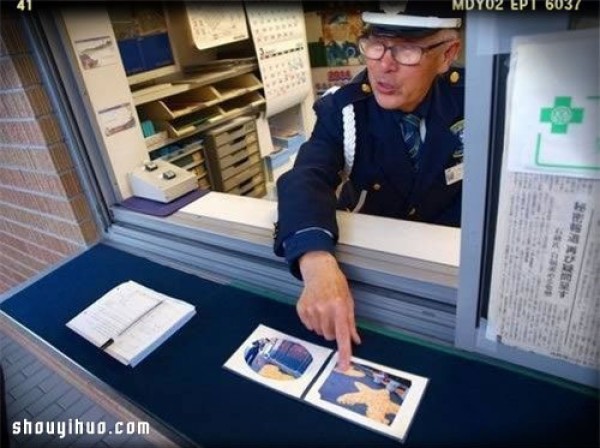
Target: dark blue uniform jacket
{"x": 382, "y": 170}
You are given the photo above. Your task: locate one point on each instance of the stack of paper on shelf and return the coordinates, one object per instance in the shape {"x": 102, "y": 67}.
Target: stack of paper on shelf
{"x": 424, "y": 253}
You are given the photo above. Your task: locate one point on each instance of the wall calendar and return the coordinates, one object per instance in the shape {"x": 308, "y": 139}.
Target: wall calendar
{"x": 280, "y": 41}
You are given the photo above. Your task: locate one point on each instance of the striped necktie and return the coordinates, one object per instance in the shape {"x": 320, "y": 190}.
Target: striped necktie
{"x": 411, "y": 134}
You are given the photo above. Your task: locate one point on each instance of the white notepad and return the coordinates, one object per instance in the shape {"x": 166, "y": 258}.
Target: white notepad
{"x": 130, "y": 321}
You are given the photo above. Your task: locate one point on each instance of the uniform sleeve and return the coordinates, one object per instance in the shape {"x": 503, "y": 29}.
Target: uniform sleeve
{"x": 306, "y": 193}
{"x": 304, "y": 241}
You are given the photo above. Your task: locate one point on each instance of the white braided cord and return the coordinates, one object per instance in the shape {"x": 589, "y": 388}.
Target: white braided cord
{"x": 349, "y": 127}
{"x": 349, "y": 131}
{"x": 331, "y": 90}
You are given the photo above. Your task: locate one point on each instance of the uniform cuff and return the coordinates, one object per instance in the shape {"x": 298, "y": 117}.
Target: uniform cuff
{"x": 301, "y": 243}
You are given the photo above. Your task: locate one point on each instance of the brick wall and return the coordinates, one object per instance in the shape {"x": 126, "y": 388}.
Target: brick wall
{"x": 44, "y": 216}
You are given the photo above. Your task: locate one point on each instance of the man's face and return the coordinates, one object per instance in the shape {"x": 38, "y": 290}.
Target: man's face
{"x": 401, "y": 87}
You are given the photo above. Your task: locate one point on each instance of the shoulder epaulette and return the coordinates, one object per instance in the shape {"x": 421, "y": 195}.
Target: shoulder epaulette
{"x": 357, "y": 89}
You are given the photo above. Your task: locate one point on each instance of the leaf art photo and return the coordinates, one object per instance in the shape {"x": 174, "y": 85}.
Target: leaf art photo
{"x": 370, "y": 392}
{"x": 377, "y": 397}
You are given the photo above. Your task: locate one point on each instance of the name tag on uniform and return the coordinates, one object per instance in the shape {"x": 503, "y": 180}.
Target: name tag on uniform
{"x": 454, "y": 174}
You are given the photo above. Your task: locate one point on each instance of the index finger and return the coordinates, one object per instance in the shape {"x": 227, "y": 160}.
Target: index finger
{"x": 342, "y": 337}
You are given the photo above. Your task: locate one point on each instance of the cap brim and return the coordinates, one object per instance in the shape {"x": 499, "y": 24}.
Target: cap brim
{"x": 393, "y": 25}
{"x": 383, "y": 31}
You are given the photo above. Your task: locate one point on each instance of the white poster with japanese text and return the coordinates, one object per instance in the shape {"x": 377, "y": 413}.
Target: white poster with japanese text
{"x": 545, "y": 288}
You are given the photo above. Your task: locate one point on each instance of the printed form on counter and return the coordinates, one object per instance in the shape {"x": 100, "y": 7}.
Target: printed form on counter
{"x": 130, "y": 321}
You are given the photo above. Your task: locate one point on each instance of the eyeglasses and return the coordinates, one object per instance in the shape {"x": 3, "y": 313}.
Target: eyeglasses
{"x": 404, "y": 54}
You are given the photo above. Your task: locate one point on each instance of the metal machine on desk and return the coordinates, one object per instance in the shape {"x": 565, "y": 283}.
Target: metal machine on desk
{"x": 161, "y": 181}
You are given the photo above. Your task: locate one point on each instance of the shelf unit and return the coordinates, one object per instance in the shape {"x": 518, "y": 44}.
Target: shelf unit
{"x": 234, "y": 158}
{"x": 187, "y": 82}
{"x": 187, "y": 110}
{"x": 204, "y": 89}
{"x": 203, "y": 118}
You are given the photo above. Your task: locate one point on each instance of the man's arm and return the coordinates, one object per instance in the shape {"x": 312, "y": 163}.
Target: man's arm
{"x": 306, "y": 193}
{"x": 307, "y": 231}
{"x": 326, "y": 305}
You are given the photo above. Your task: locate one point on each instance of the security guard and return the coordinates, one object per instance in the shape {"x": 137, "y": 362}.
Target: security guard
{"x": 389, "y": 144}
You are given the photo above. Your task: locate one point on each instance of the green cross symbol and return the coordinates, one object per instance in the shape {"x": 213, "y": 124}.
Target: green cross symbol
{"x": 561, "y": 115}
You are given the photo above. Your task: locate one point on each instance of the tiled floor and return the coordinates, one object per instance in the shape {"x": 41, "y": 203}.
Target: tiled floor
{"x": 37, "y": 394}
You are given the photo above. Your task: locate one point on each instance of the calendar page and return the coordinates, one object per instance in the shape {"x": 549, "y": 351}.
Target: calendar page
{"x": 280, "y": 41}
{"x": 213, "y": 24}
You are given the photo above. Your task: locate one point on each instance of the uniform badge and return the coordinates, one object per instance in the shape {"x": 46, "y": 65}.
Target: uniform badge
{"x": 458, "y": 154}
{"x": 458, "y": 129}
{"x": 455, "y": 173}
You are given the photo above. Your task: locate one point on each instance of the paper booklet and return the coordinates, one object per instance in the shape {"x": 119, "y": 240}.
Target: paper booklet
{"x": 372, "y": 395}
{"x": 130, "y": 321}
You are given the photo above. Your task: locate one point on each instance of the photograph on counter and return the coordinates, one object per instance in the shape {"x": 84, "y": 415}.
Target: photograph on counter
{"x": 370, "y": 392}
{"x": 378, "y": 397}
{"x": 278, "y": 360}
